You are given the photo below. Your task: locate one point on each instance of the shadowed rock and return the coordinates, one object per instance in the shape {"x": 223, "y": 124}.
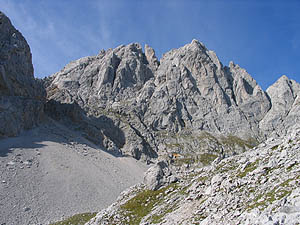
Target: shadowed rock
{"x": 21, "y": 96}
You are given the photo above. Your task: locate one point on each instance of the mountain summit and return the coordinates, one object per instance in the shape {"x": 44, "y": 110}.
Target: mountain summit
{"x": 131, "y": 93}
{"x": 187, "y": 92}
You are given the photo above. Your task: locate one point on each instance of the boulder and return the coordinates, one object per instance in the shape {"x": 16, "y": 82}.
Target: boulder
{"x": 158, "y": 175}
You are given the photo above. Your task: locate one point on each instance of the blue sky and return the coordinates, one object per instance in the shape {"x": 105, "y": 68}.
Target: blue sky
{"x": 262, "y": 36}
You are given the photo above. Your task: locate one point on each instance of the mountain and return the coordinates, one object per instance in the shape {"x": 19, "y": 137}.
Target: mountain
{"x": 47, "y": 171}
{"x": 198, "y": 122}
{"x": 171, "y": 104}
{"x": 211, "y": 134}
{"x": 22, "y": 97}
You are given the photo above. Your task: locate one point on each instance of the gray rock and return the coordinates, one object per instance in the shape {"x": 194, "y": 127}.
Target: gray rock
{"x": 158, "y": 175}
{"x": 284, "y": 95}
{"x": 151, "y": 58}
{"x": 107, "y": 86}
{"x": 188, "y": 91}
{"x": 153, "y": 177}
{"x": 222, "y": 194}
{"x": 21, "y": 96}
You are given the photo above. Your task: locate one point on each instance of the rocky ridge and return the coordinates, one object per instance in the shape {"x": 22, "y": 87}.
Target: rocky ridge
{"x": 176, "y": 104}
{"x": 260, "y": 186}
{"x": 173, "y": 105}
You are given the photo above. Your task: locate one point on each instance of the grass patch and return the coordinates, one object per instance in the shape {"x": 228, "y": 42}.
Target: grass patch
{"x": 263, "y": 200}
{"x": 206, "y": 158}
{"x": 142, "y": 204}
{"x": 202, "y": 179}
{"x": 78, "y": 219}
{"x": 184, "y": 161}
{"x": 183, "y": 190}
{"x": 174, "y": 145}
{"x": 233, "y": 141}
{"x": 280, "y": 191}
{"x": 207, "y": 136}
{"x": 251, "y": 167}
{"x": 290, "y": 167}
{"x": 274, "y": 147}
{"x": 224, "y": 168}
{"x": 159, "y": 218}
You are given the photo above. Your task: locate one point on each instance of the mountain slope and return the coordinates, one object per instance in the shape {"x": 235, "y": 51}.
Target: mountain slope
{"x": 260, "y": 186}
{"x": 50, "y": 172}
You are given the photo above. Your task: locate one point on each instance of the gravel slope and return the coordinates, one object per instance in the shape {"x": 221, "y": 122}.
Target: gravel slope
{"x": 51, "y": 172}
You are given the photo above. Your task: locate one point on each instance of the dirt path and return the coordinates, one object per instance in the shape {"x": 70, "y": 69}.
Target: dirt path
{"x": 50, "y": 172}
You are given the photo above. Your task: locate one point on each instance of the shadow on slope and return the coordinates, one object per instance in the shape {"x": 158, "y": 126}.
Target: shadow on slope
{"x": 101, "y": 130}
{"x": 7, "y": 145}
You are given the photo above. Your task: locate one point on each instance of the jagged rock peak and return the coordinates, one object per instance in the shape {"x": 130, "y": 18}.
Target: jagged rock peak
{"x": 283, "y": 78}
{"x": 107, "y": 77}
{"x": 197, "y": 43}
{"x": 284, "y": 95}
{"x": 16, "y": 69}
{"x": 284, "y": 88}
{"x": 151, "y": 57}
{"x": 284, "y": 83}
{"x": 188, "y": 89}
{"x": 199, "y": 47}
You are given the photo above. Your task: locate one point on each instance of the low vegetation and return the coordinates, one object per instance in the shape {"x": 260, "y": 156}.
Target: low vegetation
{"x": 251, "y": 167}
{"x": 233, "y": 141}
{"x": 78, "y": 219}
{"x": 203, "y": 159}
{"x": 143, "y": 203}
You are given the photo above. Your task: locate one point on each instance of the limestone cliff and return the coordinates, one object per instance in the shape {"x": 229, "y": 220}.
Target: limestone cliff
{"x": 21, "y": 96}
{"x": 157, "y": 105}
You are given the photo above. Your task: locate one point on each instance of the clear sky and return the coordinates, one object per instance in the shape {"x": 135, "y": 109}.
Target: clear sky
{"x": 262, "y": 36}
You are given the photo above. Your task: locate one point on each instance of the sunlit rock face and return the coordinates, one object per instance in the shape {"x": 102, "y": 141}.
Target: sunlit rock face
{"x": 187, "y": 91}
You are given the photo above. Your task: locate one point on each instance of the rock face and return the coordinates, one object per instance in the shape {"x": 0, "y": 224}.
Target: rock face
{"x": 158, "y": 104}
{"x": 260, "y": 186}
{"x": 21, "y": 96}
{"x": 158, "y": 175}
{"x": 194, "y": 91}
{"x": 153, "y": 106}
{"x": 285, "y": 99}
{"x": 107, "y": 85}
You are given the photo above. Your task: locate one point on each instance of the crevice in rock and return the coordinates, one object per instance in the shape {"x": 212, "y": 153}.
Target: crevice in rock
{"x": 149, "y": 151}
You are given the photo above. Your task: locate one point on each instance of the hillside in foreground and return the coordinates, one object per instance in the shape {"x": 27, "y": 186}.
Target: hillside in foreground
{"x": 260, "y": 186}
